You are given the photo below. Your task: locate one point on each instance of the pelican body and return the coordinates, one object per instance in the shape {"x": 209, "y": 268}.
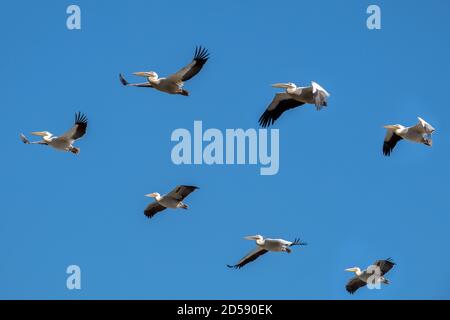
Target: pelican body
{"x": 168, "y": 201}
{"x": 265, "y": 245}
{"x": 64, "y": 142}
{"x": 420, "y": 133}
{"x": 362, "y": 277}
{"x": 293, "y": 97}
{"x": 173, "y": 200}
{"x": 174, "y": 83}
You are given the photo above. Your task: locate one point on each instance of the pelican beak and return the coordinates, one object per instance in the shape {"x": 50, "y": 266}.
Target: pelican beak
{"x": 350, "y": 269}
{"x": 141, "y": 74}
{"x": 392, "y": 127}
{"x": 280, "y": 85}
{"x": 150, "y": 195}
{"x": 39, "y": 133}
{"x": 250, "y": 238}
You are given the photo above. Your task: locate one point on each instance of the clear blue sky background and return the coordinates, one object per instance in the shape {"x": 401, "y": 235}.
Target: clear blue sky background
{"x": 334, "y": 189}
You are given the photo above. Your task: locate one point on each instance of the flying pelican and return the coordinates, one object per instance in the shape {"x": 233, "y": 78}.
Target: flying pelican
{"x": 265, "y": 245}
{"x": 293, "y": 97}
{"x": 420, "y": 133}
{"x": 173, "y": 84}
{"x": 174, "y": 199}
{"x": 378, "y": 269}
{"x": 64, "y": 142}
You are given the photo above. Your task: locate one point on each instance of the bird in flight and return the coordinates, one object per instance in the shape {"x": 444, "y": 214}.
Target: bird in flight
{"x": 293, "y": 97}
{"x": 174, "y": 83}
{"x": 264, "y": 245}
{"x": 420, "y": 133}
{"x": 373, "y": 274}
{"x": 64, "y": 142}
{"x": 174, "y": 199}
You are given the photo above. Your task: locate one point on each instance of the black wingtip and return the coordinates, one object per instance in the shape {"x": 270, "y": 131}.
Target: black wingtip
{"x": 192, "y": 187}
{"x": 24, "y": 139}
{"x": 390, "y": 260}
{"x": 123, "y": 80}
{"x": 80, "y": 118}
{"x": 236, "y": 267}
{"x": 265, "y": 120}
{"x": 298, "y": 242}
{"x": 149, "y": 216}
{"x": 386, "y": 150}
{"x": 201, "y": 54}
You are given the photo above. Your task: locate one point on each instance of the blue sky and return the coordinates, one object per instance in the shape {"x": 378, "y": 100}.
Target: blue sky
{"x": 334, "y": 189}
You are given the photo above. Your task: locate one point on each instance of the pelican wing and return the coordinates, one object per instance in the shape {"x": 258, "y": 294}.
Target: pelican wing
{"x": 181, "y": 192}
{"x": 390, "y": 141}
{"x": 252, "y": 256}
{"x": 127, "y": 84}
{"x": 152, "y": 209}
{"x": 320, "y": 96}
{"x": 385, "y": 265}
{"x": 422, "y": 127}
{"x": 297, "y": 242}
{"x": 200, "y": 57}
{"x": 281, "y": 103}
{"x": 24, "y": 139}
{"x": 79, "y": 129}
{"x": 354, "y": 284}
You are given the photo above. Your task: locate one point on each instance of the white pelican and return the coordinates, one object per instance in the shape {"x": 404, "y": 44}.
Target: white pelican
{"x": 174, "y": 199}
{"x": 293, "y": 97}
{"x": 64, "y": 142}
{"x": 173, "y": 84}
{"x": 265, "y": 245}
{"x": 362, "y": 277}
{"x": 420, "y": 133}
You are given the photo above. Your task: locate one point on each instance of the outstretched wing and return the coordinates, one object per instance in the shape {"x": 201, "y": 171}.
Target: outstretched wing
{"x": 127, "y": 84}
{"x": 385, "y": 265}
{"x": 252, "y": 256}
{"x": 26, "y": 141}
{"x": 181, "y": 192}
{"x": 354, "y": 284}
{"x": 152, "y": 209}
{"x": 281, "y": 103}
{"x": 200, "y": 57}
{"x": 79, "y": 129}
{"x": 390, "y": 141}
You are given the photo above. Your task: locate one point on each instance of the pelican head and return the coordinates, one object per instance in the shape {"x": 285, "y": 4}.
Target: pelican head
{"x": 153, "y": 195}
{"x": 288, "y": 85}
{"x": 255, "y": 237}
{"x": 147, "y": 74}
{"x": 354, "y": 270}
{"x": 42, "y": 133}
